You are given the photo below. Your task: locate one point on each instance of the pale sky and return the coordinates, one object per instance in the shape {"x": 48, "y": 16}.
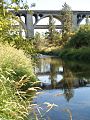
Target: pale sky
{"x": 57, "y": 4}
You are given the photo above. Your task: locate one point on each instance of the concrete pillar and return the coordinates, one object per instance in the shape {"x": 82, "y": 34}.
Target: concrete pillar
{"x": 87, "y": 19}
{"x": 74, "y": 22}
{"x": 29, "y": 25}
{"x": 20, "y": 28}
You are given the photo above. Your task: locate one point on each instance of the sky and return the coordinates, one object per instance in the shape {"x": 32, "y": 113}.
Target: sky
{"x": 57, "y": 4}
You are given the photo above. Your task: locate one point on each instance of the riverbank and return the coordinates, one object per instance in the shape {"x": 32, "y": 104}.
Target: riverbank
{"x": 77, "y": 47}
{"x": 81, "y": 54}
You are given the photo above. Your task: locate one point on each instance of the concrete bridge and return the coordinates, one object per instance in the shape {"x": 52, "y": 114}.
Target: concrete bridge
{"x": 29, "y": 25}
{"x": 48, "y": 73}
{"x": 47, "y": 26}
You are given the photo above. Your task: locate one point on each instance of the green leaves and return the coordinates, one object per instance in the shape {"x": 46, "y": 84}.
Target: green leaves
{"x": 66, "y": 17}
{"x": 81, "y": 38}
{"x": 15, "y": 1}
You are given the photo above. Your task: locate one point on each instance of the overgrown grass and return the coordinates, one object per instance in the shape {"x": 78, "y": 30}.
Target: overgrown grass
{"x": 12, "y": 106}
{"x": 16, "y": 76}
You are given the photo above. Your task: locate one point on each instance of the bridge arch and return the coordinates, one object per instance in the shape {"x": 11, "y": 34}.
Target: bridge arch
{"x": 81, "y": 17}
{"x": 46, "y": 16}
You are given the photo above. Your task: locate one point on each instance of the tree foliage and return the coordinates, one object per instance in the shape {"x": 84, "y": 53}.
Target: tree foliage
{"x": 9, "y": 32}
{"x": 52, "y": 35}
{"x": 81, "y": 38}
{"x": 51, "y": 29}
{"x": 66, "y": 17}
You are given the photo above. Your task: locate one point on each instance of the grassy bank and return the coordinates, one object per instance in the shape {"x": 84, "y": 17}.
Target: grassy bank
{"x": 81, "y": 54}
{"x": 16, "y": 78}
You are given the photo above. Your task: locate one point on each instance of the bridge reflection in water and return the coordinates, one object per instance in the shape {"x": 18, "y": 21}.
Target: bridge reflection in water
{"x": 67, "y": 85}
{"x": 55, "y": 73}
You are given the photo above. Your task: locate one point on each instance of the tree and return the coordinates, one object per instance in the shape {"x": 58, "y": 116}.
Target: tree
{"x": 53, "y": 35}
{"x": 81, "y": 38}
{"x": 66, "y": 17}
{"x": 51, "y": 29}
{"x": 9, "y": 33}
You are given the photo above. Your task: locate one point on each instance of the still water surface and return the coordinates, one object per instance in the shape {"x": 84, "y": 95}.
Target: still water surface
{"x": 65, "y": 84}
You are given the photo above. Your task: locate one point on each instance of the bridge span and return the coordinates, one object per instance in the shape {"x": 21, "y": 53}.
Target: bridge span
{"x": 29, "y": 25}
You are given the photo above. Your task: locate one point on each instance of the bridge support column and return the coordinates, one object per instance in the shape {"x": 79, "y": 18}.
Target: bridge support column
{"x": 87, "y": 19}
{"x": 74, "y": 22}
{"x": 29, "y": 26}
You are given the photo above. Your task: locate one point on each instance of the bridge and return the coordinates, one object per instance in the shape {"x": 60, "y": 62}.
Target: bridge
{"x": 48, "y": 73}
{"x": 47, "y": 26}
{"x": 29, "y": 25}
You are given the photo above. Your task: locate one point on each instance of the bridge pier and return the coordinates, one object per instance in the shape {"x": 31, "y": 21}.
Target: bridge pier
{"x": 87, "y": 19}
{"x": 74, "y": 22}
{"x": 29, "y": 25}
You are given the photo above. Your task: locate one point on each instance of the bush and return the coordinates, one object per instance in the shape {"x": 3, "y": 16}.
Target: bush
{"x": 13, "y": 59}
{"x": 76, "y": 54}
{"x": 16, "y": 75}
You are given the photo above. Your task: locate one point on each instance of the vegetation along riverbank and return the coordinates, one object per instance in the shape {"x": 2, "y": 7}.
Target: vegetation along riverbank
{"x": 76, "y": 48}
{"x": 16, "y": 69}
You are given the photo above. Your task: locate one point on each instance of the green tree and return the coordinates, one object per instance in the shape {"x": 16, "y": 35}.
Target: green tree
{"x": 81, "y": 38}
{"x": 37, "y": 40}
{"x": 53, "y": 35}
{"x": 9, "y": 33}
{"x": 66, "y": 17}
{"x": 51, "y": 29}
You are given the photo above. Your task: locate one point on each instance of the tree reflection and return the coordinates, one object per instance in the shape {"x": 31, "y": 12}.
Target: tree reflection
{"x": 74, "y": 75}
{"x": 53, "y": 75}
{"x": 67, "y": 82}
{"x": 68, "y": 93}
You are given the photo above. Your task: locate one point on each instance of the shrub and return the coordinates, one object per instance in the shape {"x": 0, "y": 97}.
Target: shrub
{"x": 13, "y": 59}
{"x": 76, "y": 54}
{"x": 16, "y": 76}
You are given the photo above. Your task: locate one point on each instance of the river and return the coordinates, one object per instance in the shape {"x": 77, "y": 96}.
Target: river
{"x": 65, "y": 91}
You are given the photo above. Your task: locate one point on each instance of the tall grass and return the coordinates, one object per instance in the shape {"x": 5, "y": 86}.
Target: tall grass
{"x": 16, "y": 75}
{"x": 11, "y": 58}
{"x": 12, "y": 106}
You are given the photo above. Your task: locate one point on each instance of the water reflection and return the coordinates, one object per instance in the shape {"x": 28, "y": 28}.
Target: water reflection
{"x": 55, "y": 73}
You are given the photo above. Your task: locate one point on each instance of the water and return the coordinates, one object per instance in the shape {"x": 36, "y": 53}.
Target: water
{"x": 66, "y": 87}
